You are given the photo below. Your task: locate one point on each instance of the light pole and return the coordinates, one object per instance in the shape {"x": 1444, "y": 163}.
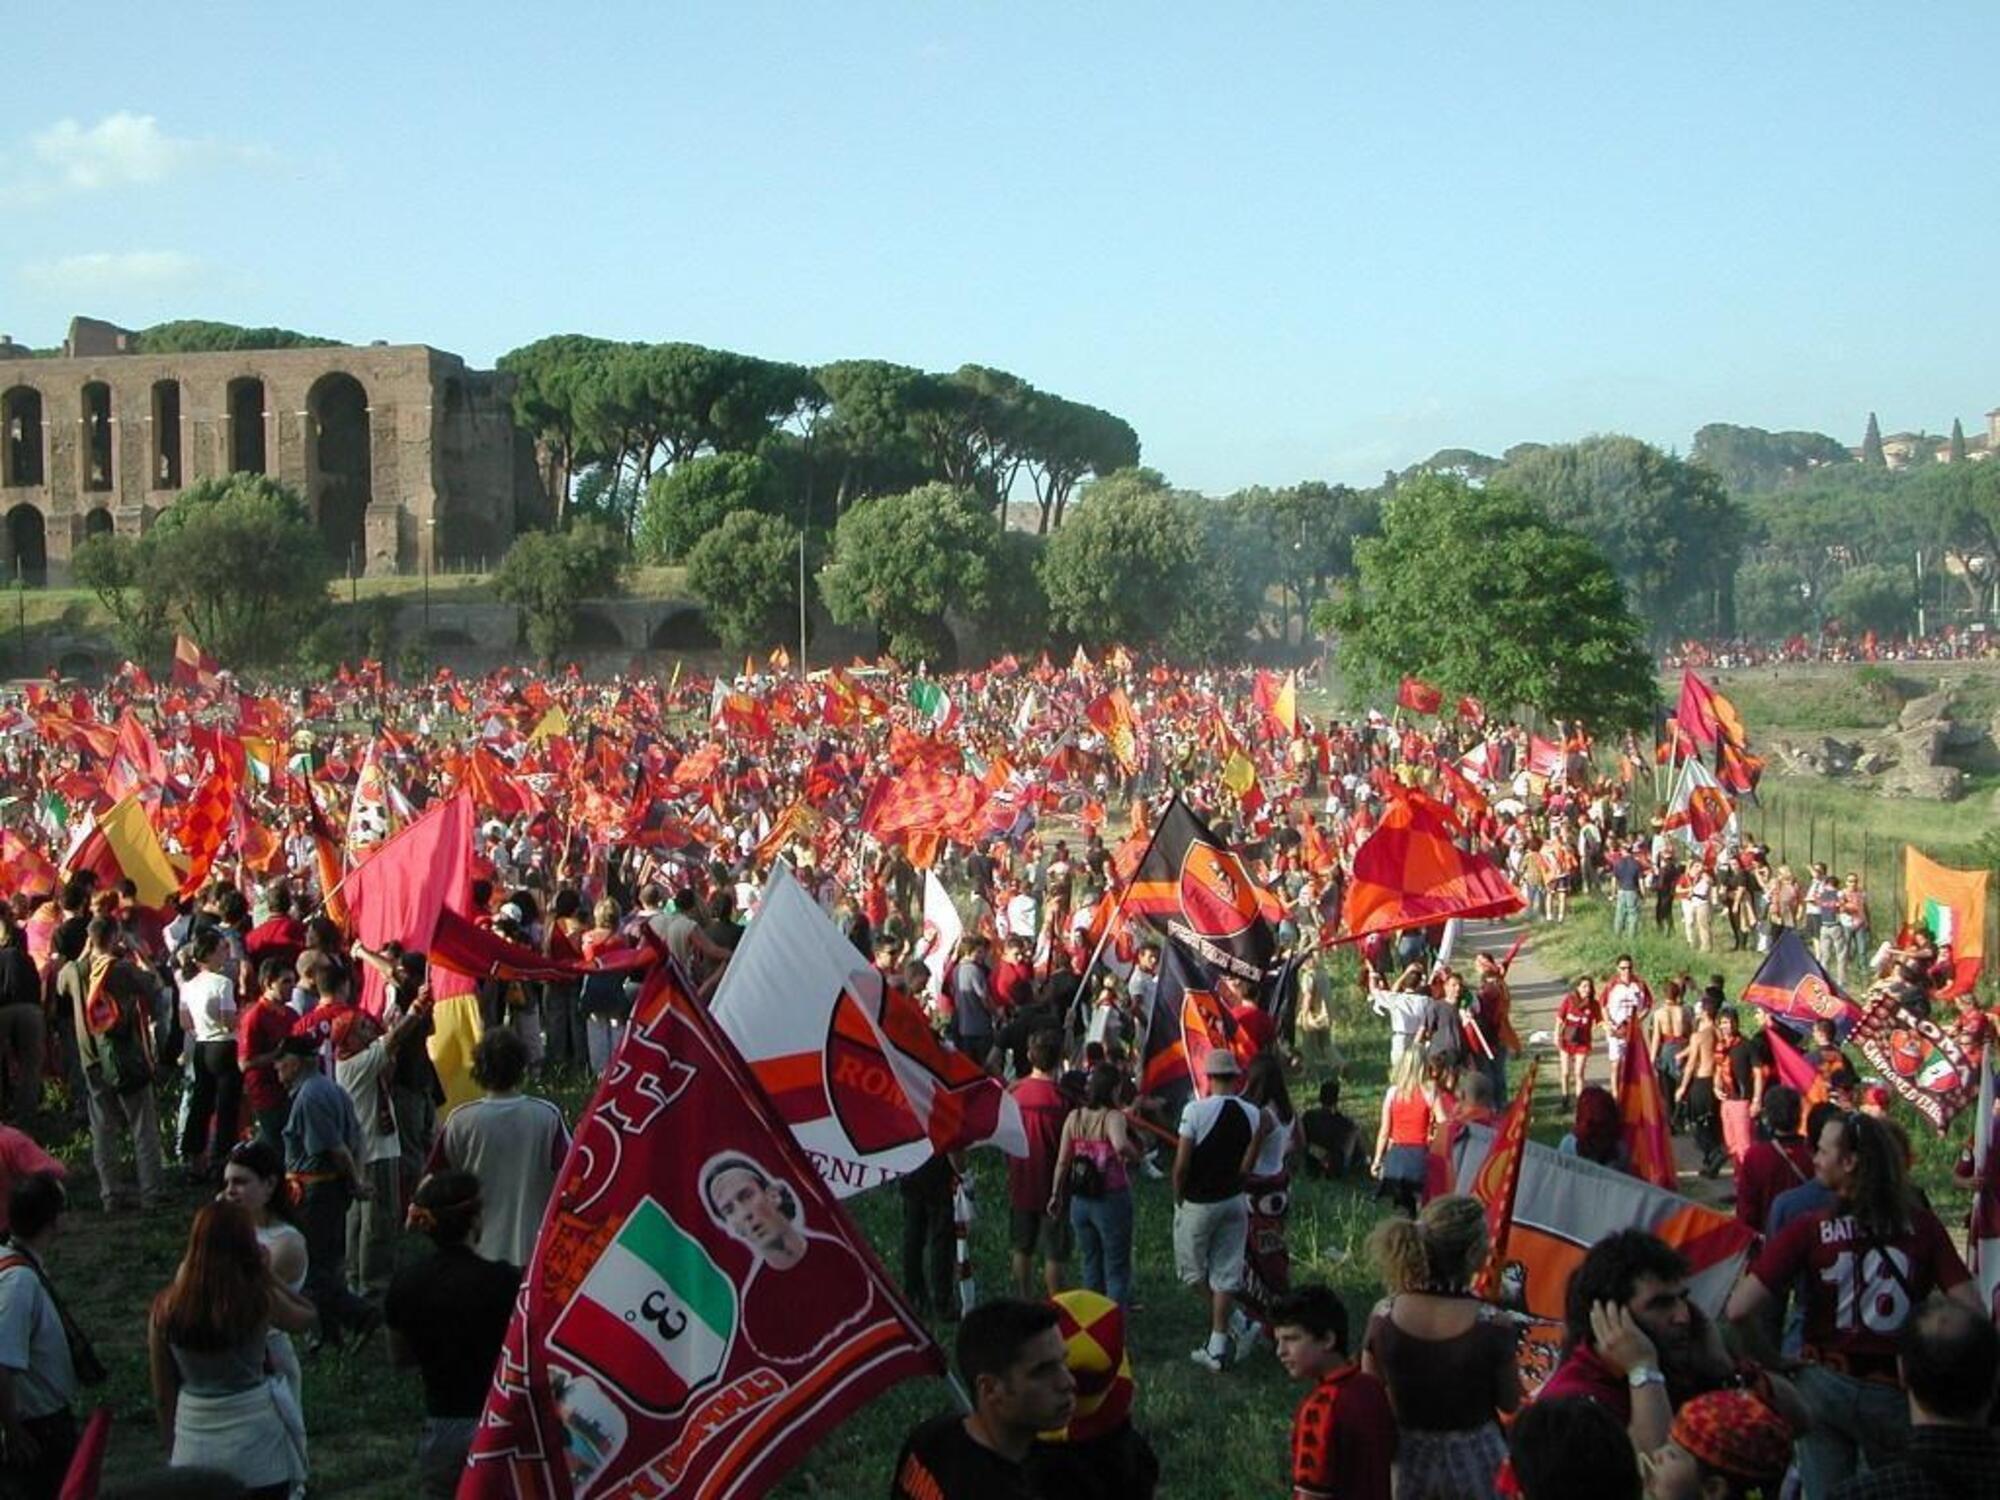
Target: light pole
{"x": 430, "y": 541}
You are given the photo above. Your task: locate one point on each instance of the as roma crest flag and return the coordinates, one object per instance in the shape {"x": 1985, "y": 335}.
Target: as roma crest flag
{"x": 1192, "y": 889}
{"x": 698, "y": 1311}
{"x": 1111, "y": 715}
{"x": 1409, "y": 873}
{"x": 1189, "y": 1021}
{"x": 856, "y": 1071}
{"x": 1921, "y": 1061}
{"x": 1791, "y": 986}
{"x": 1952, "y": 904}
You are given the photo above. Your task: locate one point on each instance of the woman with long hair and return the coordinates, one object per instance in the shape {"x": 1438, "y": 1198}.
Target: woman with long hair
{"x": 447, "y": 1315}
{"x": 253, "y": 1178}
{"x": 207, "y": 1340}
{"x": 1577, "y": 1016}
{"x": 208, "y": 1018}
{"x": 1099, "y": 1194}
{"x": 1402, "y": 1142}
{"x": 1446, "y": 1358}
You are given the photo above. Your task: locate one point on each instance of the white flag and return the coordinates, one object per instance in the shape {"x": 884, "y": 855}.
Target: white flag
{"x": 941, "y": 934}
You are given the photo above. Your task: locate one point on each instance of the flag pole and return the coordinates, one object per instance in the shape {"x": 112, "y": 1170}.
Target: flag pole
{"x": 1111, "y": 925}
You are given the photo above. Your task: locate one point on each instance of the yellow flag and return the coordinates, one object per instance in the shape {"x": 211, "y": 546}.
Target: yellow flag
{"x": 136, "y": 847}
{"x": 455, "y": 1031}
{"x": 553, "y": 723}
{"x": 1285, "y": 709}
{"x": 1239, "y": 775}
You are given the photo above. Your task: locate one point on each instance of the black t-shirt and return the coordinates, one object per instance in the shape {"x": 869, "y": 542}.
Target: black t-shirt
{"x": 71, "y": 936}
{"x": 453, "y": 1310}
{"x": 1117, "y": 1466}
{"x": 940, "y": 1461}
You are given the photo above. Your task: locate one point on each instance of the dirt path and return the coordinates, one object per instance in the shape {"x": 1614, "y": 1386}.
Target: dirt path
{"x": 1537, "y": 989}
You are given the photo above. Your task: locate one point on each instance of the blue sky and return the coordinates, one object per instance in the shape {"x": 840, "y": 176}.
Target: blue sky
{"x": 1284, "y": 242}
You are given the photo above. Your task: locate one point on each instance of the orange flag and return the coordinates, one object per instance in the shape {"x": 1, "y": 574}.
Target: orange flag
{"x": 1499, "y": 1180}
{"x": 1642, "y": 1115}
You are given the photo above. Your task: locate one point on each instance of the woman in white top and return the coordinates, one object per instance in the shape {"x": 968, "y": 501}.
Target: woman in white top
{"x": 208, "y": 1017}
{"x": 254, "y": 1179}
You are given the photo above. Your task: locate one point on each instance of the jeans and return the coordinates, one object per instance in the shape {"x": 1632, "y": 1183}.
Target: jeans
{"x": 22, "y": 1044}
{"x": 1851, "y": 1420}
{"x": 603, "y": 1040}
{"x": 1104, "y": 1238}
{"x": 372, "y": 1227}
{"x": 322, "y": 1219}
{"x": 1625, "y": 913}
{"x": 214, "y": 1099}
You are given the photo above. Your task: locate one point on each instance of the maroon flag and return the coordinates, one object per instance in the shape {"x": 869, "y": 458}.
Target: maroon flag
{"x": 397, "y": 893}
{"x": 1418, "y": 696}
{"x": 698, "y": 1311}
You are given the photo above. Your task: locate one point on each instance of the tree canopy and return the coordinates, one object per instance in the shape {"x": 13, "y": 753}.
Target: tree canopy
{"x": 235, "y": 562}
{"x": 1123, "y": 568}
{"x": 547, "y": 574}
{"x": 901, "y": 561}
{"x": 199, "y": 336}
{"x": 1667, "y": 526}
{"x": 745, "y": 571}
{"x": 1478, "y": 591}
{"x": 689, "y": 501}
{"x": 1751, "y": 461}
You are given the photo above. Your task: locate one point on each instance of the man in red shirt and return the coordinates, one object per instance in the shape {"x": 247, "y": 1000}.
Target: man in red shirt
{"x": 1773, "y": 1166}
{"x": 260, "y": 1027}
{"x": 1013, "y": 983}
{"x": 1344, "y": 1434}
{"x": 1626, "y": 1317}
{"x": 281, "y": 935}
{"x": 1862, "y": 1268}
{"x": 1031, "y": 1178}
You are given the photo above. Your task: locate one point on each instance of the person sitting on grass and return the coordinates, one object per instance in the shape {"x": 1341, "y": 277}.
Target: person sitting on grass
{"x": 1344, "y": 1433}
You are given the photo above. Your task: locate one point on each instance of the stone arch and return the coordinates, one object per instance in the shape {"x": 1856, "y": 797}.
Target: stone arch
{"x": 340, "y": 466}
{"x": 594, "y": 630}
{"x": 21, "y": 438}
{"x": 247, "y": 454}
{"x": 682, "y": 630}
{"x": 166, "y": 459}
{"x": 97, "y": 445}
{"x": 27, "y": 546}
{"x": 97, "y": 521}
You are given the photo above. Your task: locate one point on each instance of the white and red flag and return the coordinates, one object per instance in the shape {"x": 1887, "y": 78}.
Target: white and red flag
{"x": 855, "y": 1069}
{"x": 699, "y": 1310}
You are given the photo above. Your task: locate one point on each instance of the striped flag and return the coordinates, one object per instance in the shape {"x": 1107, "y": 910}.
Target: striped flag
{"x": 1642, "y": 1115}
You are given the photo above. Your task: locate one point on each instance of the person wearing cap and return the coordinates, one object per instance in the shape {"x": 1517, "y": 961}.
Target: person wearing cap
{"x": 323, "y": 1172}
{"x": 1098, "y": 1454}
{"x": 1950, "y": 1360}
{"x": 1726, "y": 1445}
{"x": 1219, "y": 1137}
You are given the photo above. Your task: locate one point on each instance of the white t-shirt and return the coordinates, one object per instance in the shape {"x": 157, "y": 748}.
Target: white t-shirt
{"x": 209, "y": 1002}
{"x": 362, "y": 1077}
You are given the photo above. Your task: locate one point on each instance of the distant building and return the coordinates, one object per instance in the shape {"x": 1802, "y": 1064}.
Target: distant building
{"x": 1901, "y": 450}
{"x": 405, "y": 457}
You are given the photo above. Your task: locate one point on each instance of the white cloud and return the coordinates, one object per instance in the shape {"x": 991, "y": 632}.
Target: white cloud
{"x": 120, "y": 150}
{"x": 107, "y": 271}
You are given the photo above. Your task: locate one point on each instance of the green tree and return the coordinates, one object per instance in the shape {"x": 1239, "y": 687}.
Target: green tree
{"x": 547, "y": 574}
{"x": 241, "y": 567}
{"x": 1668, "y": 527}
{"x": 1751, "y": 461}
{"x": 1773, "y": 599}
{"x": 550, "y": 377}
{"x": 1874, "y": 596}
{"x": 1479, "y": 592}
{"x": 198, "y": 336}
{"x": 1871, "y": 445}
{"x": 688, "y": 501}
{"x": 1126, "y": 562}
{"x": 112, "y": 567}
{"x": 1015, "y": 616}
{"x": 745, "y": 571}
{"x": 901, "y": 561}
{"x": 1224, "y": 593}
{"x": 1956, "y": 453}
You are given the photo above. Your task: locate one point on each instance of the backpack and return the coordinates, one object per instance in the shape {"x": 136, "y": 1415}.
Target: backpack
{"x": 1086, "y": 1177}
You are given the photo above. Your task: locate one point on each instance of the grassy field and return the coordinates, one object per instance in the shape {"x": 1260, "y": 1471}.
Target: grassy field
{"x": 1221, "y": 1437}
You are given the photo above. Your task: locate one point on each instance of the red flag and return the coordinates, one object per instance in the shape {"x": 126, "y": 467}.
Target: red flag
{"x": 205, "y": 823}
{"x": 1418, "y": 696}
{"x": 1642, "y": 1115}
{"x": 699, "y": 1311}
{"x": 1472, "y": 710}
{"x": 1410, "y": 874}
{"x": 396, "y": 893}
{"x": 1793, "y": 1069}
{"x": 23, "y": 867}
{"x": 1112, "y": 716}
{"x": 1499, "y": 1180}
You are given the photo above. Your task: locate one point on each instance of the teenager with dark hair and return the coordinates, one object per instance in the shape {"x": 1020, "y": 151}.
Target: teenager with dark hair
{"x": 1344, "y": 1432}
{"x": 514, "y": 1143}
{"x": 1563, "y": 1447}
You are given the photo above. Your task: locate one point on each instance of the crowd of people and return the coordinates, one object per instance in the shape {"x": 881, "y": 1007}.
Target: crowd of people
{"x": 309, "y": 1131}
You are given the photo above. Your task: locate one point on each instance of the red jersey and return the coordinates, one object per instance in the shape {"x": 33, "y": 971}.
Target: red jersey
{"x": 1343, "y": 1439}
{"x": 1256, "y": 1024}
{"x": 259, "y": 1029}
{"x": 1859, "y": 1291}
{"x": 1770, "y": 1168}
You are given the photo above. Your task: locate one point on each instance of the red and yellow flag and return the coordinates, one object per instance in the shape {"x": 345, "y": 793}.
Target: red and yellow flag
{"x": 1499, "y": 1180}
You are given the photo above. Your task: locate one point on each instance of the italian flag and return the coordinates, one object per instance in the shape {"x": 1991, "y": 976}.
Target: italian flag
{"x": 933, "y": 704}
{"x": 655, "y": 1315}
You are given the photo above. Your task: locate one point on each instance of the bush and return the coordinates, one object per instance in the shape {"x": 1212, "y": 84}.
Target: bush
{"x": 901, "y": 561}
{"x": 548, "y": 573}
{"x": 746, "y": 574}
{"x": 691, "y": 500}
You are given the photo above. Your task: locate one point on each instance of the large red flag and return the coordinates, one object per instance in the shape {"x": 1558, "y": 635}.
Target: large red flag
{"x": 698, "y": 1311}
{"x": 396, "y": 893}
{"x": 1410, "y": 874}
{"x": 1418, "y": 696}
{"x": 1642, "y": 1117}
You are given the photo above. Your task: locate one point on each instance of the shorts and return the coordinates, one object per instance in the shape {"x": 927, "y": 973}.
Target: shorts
{"x": 1209, "y": 1240}
{"x": 1029, "y": 1229}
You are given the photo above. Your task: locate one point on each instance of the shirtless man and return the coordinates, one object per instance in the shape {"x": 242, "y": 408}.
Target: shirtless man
{"x": 1666, "y": 1033}
{"x": 1697, "y": 1090}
